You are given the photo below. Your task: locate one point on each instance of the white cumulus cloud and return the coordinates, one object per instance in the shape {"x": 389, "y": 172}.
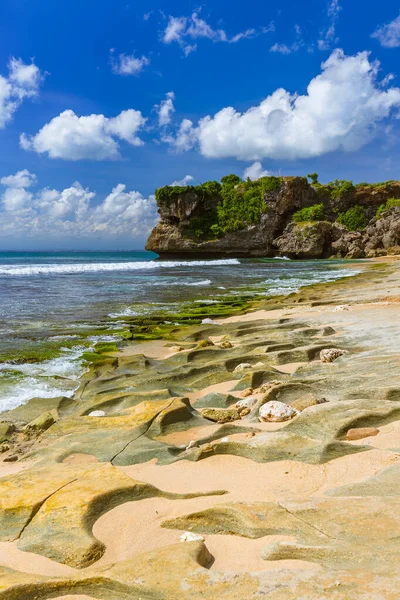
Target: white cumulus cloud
{"x": 166, "y": 109}
{"x": 128, "y": 64}
{"x": 21, "y": 179}
{"x": 73, "y": 212}
{"x": 342, "y": 110}
{"x": 92, "y": 137}
{"x": 389, "y": 34}
{"x": 183, "y": 182}
{"x": 23, "y": 81}
{"x": 255, "y": 171}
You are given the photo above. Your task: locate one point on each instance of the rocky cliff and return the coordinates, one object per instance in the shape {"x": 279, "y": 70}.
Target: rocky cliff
{"x": 277, "y": 216}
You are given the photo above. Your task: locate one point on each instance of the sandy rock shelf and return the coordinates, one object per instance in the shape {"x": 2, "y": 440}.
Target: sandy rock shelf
{"x": 95, "y": 506}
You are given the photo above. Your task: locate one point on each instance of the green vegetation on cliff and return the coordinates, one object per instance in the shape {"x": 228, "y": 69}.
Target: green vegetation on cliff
{"x": 310, "y": 214}
{"x": 354, "y": 219}
{"x": 237, "y": 203}
{"x": 233, "y": 204}
{"x": 389, "y": 204}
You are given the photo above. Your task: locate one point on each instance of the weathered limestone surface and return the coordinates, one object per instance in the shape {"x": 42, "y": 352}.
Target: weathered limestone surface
{"x": 335, "y": 540}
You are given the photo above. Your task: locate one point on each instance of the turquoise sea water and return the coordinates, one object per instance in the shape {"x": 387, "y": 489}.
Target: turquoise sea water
{"x": 53, "y": 298}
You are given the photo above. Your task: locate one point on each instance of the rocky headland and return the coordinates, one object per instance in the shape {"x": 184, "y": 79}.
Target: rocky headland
{"x": 277, "y": 216}
{"x": 245, "y": 456}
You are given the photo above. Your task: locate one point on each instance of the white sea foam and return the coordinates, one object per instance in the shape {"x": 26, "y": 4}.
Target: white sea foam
{"x": 199, "y": 283}
{"x": 47, "y": 379}
{"x": 58, "y": 269}
{"x": 32, "y": 387}
{"x": 67, "y": 365}
{"x": 125, "y": 312}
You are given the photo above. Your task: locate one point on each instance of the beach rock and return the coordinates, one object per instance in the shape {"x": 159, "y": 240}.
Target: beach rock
{"x": 226, "y": 345}
{"x": 11, "y": 458}
{"x": 189, "y": 536}
{"x": 248, "y": 402}
{"x": 275, "y": 411}
{"x": 204, "y": 344}
{"x": 244, "y": 412}
{"x": 259, "y": 365}
{"x": 242, "y": 367}
{"x": 268, "y": 385}
{"x": 97, "y": 413}
{"x": 330, "y": 354}
{"x": 42, "y": 422}
{"x": 220, "y": 415}
{"x": 328, "y": 331}
{"x": 247, "y": 392}
{"x": 361, "y": 432}
{"x": 208, "y": 321}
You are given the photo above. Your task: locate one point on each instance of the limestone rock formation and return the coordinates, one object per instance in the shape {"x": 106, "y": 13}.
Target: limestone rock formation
{"x": 190, "y": 220}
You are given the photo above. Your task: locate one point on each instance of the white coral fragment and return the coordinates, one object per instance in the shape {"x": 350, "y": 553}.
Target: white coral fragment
{"x": 275, "y": 411}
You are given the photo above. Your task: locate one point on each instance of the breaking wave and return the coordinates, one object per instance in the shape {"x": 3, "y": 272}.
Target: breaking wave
{"x": 57, "y": 269}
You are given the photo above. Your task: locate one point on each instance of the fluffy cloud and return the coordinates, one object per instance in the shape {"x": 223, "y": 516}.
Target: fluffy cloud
{"x": 342, "y": 110}
{"x": 92, "y": 137}
{"x": 73, "y": 212}
{"x": 21, "y": 179}
{"x": 23, "y": 81}
{"x": 255, "y": 171}
{"x": 183, "y": 182}
{"x": 182, "y": 29}
{"x": 389, "y": 34}
{"x": 128, "y": 64}
{"x": 165, "y": 109}
{"x": 185, "y": 139}
{"x": 328, "y": 36}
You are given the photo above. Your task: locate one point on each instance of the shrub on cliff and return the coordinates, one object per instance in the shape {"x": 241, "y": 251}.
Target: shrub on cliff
{"x": 340, "y": 188}
{"x": 243, "y": 202}
{"x": 391, "y": 202}
{"x": 309, "y": 213}
{"x": 353, "y": 219}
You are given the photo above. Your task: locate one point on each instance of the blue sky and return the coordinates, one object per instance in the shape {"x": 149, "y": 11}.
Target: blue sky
{"x": 101, "y": 102}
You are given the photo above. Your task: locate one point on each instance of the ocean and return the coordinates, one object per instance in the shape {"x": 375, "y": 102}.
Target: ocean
{"x": 54, "y": 306}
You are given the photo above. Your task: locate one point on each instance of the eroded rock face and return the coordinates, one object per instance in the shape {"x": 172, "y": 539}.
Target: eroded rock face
{"x": 172, "y": 236}
{"x": 175, "y": 234}
{"x": 323, "y": 239}
{"x": 312, "y": 240}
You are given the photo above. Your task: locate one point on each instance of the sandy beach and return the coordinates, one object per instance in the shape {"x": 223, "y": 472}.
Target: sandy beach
{"x": 94, "y": 507}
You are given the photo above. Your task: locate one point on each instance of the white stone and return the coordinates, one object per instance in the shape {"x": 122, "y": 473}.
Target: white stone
{"x": 97, "y": 413}
{"x": 248, "y": 402}
{"x": 209, "y": 322}
{"x": 340, "y": 308}
{"x": 330, "y": 354}
{"x": 242, "y": 367}
{"x": 224, "y": 440}
{"x": 275, "y": 411}
{"x": 189, "y": 536}
{"x": 259, "y": 365}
